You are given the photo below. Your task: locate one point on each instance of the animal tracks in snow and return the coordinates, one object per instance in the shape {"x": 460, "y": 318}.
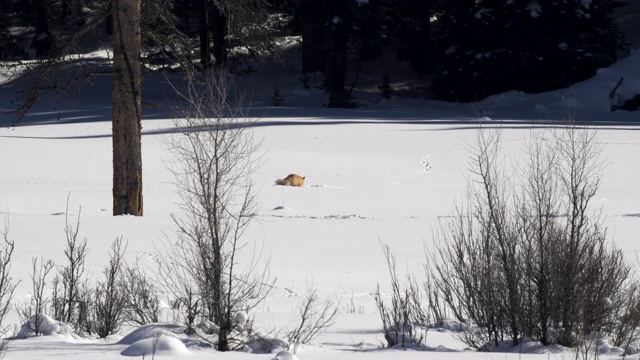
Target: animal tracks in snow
{"x": 338, "y": 217}
{"x": 284, "y": 212}
{"x": 326, "y": 186}
{"x": 426, "y": 163}
{"x": 425, "y": 166}
{"x": 289, "y": 293}
{"x": 312, "y": 186}
{"x": 320, "y": 217}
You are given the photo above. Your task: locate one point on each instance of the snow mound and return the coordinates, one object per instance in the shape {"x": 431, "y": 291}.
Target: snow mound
{"x": 591, "y": 99}
{"x": 285, "y": 355}
{"x": 451, "y": 325}
{"x": 150, "y": 331}
{"x": 262, "y": 343}
{"x": 281, "y": 207}
{"x": 161, "y": 345}
{"x": 47, "y": 326}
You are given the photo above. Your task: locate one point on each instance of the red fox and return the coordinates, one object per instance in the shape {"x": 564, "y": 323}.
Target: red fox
{"x": 291, "y": 180}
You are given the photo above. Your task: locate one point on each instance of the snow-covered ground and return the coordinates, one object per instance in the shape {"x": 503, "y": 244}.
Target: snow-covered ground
{"x": 380, "y": 174}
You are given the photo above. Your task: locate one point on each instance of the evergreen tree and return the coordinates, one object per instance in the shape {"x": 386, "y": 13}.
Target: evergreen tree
{"x": 225, "y": 24}
{"x": 409, "y": 23}
{"x": 335, "y": 45}
{"x": 497, "y": 45}
{"x": 313, "y": 15}
{"x": 337, "y": 35}
{"x": 43, "y": 40}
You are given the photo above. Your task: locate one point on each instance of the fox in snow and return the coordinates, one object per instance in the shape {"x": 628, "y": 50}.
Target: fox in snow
{"x": 291, "y": 180}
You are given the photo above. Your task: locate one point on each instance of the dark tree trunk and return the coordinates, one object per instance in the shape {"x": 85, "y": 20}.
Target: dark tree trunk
{"x": 336, "y": 55}
{"x": 183, "y": 12}
{"x": 203, "y": 27}
{"x": 43, "y": 43}
{"x": 420, "y": 55}
{"x": 108, "y": 22}
{"x": 65, "y": 9}
{"x": 311, "y": 27}
{"x": 127, "y": 152}
{"x": 219, "y": 31}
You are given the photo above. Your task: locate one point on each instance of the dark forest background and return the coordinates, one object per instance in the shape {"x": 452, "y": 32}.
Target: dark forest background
{"x": 461, "y": 50}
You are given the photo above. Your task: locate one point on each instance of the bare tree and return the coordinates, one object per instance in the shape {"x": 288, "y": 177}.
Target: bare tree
{"x": 127, "y": 112}
{"x": 213, "y": 165}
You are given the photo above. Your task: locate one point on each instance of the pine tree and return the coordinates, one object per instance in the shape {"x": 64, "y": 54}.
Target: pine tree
{"x": 497, "y": 45}
{"x": 332, "y": 30}
{"x": 409, "y": 24}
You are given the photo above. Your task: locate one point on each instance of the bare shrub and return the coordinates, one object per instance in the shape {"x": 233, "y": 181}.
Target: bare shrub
{"x": 142, "y": 303}
{"x": 212, "y": 167}
{"x": 540, "y": 232}
{"x": 315, "y": 317}
{"x": 67, "y": 295}
{"x": 176, "y": 280}
{"x": 189, "y": 309}
{"x": 469, "y": 281}
{"x": 436, "y": 307}
{"x": 110, "y": 296}
{"x": 589, "y": 269}
{"x": 626, "y": 317}
{"x": 403, "y": 321}
{"x": 525, "y": 256}
{"x": 32, "y": 314}
{"x": 7, "y": 285}
{"x": 86, "y": 306}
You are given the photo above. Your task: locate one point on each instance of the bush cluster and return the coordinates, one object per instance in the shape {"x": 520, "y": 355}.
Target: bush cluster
{"x": 525, "y": 257}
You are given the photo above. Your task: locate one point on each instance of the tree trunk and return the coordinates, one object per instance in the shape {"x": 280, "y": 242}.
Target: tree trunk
{"x": 219, "y": 31}
{"x": 42, "y": 41}
{"x": 126, "y": 108}
{"x": 311, "y": 27}
{"x": 203, "y": 27}
{"x": 336, "y": 53}
{"x": 65, "y": 9}
{"x": 420, "y": 54}
{"x": 108, "y": 22}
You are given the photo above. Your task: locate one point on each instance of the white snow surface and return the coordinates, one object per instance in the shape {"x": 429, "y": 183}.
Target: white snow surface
{"x": 159, "y": 346}
{"x": 384, "y": 173}
{"x": 285, "y": 355}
